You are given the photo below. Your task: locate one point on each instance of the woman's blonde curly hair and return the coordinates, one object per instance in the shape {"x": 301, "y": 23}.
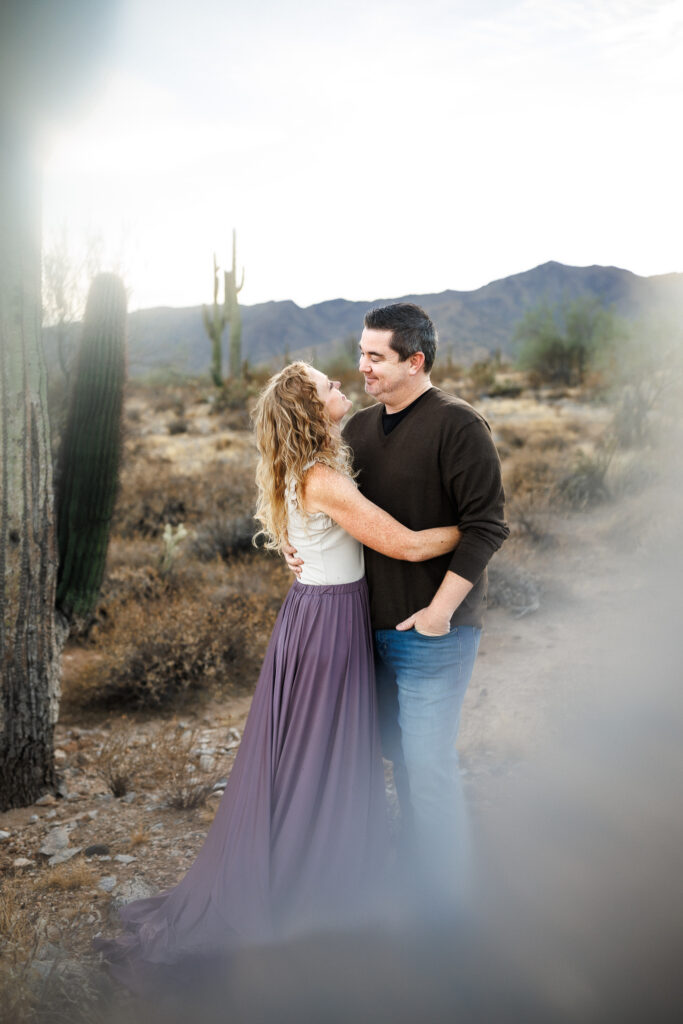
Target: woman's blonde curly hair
{"x": 292, "y": 431}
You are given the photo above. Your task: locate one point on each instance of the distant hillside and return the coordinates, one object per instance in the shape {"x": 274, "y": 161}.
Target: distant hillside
{"x": 470, "y": 324}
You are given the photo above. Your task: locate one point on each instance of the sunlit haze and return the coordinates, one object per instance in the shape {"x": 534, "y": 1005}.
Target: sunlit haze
{"x": 374, "y": 149}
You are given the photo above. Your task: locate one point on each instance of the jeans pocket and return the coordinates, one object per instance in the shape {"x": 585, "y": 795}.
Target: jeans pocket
{"x": 431, "y": 636}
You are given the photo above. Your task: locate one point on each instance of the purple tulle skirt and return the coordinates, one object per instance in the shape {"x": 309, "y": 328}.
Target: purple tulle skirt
{"x": 299, "y": 841}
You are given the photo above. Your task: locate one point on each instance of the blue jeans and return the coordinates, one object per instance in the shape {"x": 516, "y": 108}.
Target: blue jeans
{"x": 421, "y": 684}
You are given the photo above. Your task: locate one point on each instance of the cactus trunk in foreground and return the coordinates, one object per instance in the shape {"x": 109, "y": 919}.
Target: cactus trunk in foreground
{"x": 91, "y": 449}
{"x": 29, "y": 656}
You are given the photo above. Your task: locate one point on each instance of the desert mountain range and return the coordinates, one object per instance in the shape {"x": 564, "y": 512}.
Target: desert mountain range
{"x": 471, "y": 324}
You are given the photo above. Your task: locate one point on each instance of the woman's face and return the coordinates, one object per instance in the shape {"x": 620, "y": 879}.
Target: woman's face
{"x": 336, "y": 404}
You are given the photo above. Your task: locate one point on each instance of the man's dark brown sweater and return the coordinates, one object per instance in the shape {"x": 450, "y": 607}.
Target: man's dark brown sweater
{"x": 437, "y": 467}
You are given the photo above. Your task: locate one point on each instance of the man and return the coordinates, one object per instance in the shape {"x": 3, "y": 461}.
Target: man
{"x": 428, "y": 459}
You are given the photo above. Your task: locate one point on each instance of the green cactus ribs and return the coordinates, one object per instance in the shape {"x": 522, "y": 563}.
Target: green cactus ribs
{"x": 91, "y": 449}
{"x": 232, "y": 290}
{"x": 219, "y": 315}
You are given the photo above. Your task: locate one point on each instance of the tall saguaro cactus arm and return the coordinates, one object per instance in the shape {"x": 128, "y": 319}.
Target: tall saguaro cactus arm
{"x": 91, "y": 449}
{"x": 214, "y": 324}
{"x": 232, "y": 290}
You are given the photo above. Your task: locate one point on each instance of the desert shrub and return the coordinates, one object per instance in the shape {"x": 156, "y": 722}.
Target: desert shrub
{"x": 632, "y": 472}
{"x": 482, "y": 376}
{"x": 532, "y": 473}
{"x": 178, "y": 426}
{"x": 222, "y": 537}
{"x": 169, "y": 401}
{"x": 505, "y": 389}
{"x": 114, "y": 764}
{"x": 586, "y": 483}
{"x": 511, "y": 436}
{"x": 512, "y": 588}
{"x": 446, "y": 369}
{"x": 154, "y": 495}
{"x": 75, "y": 874}
{"x": 528, "y": 517}
{"x": 192, "y": 638}
{"x": 18, "y": 945}
{"x": 559, "y": 344}
{"x": 183, "y": 790}
{"x": 234, "y": 394}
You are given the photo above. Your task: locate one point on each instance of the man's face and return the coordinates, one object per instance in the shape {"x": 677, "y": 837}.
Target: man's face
{"x": 386, "y": 377}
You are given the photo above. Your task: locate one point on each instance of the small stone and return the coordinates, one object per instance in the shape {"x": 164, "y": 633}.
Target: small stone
{"x": 46, "y": 800}
{"x": 206, "y": 763}
{"x": 33, "y": 819}
{"x": 64, "y": 855}
{"x": 50, "y": 815}
{"x": 73, "y": 795}
{"x": 134, "y": 889}
{"x": 124, "y": 858}
{"x": 96, "y": 849}
{"x": 43, "y": 968}
{"x": 220, "y": 784}
{"x": 233, "y": 736}
{"x": 107, "y": 883}
{"x": 129, "y": 798}
{"x": 105, "y": 797}
{"x": 57, "y": 840}
{"x": 4, "y": 835}
{"x": 49, "y": 951}
{"x": 22, "y": 862}
{"x": 93, "y": 814}
{"x": 157, "y": 826}
{"x": 60, "y": 755}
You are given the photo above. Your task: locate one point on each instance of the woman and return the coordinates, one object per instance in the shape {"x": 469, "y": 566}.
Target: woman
{"x": 299, "y": 839}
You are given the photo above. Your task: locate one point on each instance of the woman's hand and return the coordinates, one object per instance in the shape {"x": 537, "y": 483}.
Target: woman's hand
{"x": 295, "y": 563}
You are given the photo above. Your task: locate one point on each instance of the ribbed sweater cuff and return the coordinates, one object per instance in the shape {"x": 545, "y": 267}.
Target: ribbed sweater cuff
{"x": 469, "y": 562}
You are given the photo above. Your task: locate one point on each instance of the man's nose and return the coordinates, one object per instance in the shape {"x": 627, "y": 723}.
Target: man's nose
{"x": 363, "y": 363}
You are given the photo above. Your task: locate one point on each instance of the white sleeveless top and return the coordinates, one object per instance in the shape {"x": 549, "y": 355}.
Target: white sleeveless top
{"x": 330, "y": 554}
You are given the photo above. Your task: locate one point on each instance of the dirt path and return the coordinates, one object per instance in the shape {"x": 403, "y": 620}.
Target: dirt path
{"x": 534, "y": 674}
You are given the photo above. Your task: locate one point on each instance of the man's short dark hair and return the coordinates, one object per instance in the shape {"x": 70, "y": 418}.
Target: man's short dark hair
{"x": 412, "y": 330}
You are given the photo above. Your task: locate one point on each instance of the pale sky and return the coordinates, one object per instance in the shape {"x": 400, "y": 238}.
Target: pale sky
{"x": 372, "y": 149}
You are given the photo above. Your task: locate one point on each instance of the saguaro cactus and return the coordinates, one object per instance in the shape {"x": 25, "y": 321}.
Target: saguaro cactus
{"x": 48, "y": 53}
{"x": 29, "y": 655}
{"x": 91, "y": 449}
{"x": 232, "y": 289}
{"x": 214, "y": 323}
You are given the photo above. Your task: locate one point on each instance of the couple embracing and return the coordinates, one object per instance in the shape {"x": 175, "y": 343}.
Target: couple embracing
{"x": 389, "y": 525}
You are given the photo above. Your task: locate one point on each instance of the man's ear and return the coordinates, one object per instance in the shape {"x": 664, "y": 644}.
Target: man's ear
{"x": 417, "y": 361}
